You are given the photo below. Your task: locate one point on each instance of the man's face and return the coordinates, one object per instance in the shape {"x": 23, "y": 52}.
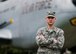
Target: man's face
{"x": 50, "y": 20}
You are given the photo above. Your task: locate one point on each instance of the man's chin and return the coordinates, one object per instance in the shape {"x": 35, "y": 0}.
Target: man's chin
{"x": 50, "y": 23}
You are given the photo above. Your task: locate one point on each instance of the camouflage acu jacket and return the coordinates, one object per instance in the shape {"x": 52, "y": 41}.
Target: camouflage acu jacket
{"x": 51, "y": 43}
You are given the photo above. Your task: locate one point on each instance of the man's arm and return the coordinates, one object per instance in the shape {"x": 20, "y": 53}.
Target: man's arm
{"x": 41, "y": 40}
{"x": 58, "y": 41}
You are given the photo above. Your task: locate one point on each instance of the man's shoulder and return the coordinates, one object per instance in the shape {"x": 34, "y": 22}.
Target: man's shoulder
{"x": 42, "y": 28}
{"x": 59, "y": 29}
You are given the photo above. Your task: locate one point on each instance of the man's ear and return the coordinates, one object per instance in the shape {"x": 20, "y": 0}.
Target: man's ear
{"x": 55, "y": 19}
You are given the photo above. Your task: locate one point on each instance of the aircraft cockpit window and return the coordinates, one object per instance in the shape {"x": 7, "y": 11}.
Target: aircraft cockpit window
{"x": 74, "y": 2}
{"x": 2, "y": 0}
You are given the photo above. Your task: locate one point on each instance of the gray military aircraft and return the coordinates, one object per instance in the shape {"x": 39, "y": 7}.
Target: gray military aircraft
{"x": 29, "y": 16}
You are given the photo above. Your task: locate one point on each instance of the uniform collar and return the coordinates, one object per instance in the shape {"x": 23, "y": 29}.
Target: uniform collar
{"x": 52, "y": 29}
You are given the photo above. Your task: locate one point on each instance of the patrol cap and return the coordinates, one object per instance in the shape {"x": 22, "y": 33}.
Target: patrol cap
{"x": 50, "y": 14}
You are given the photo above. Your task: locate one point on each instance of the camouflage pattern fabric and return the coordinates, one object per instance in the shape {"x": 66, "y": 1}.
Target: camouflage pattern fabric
{"x": 50, "y": 41}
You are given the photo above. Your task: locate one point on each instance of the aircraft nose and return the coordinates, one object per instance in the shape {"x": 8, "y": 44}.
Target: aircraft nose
{"x": 74, "y": 2}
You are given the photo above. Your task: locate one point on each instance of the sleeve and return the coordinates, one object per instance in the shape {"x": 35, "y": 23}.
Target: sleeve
{"x": 41, "y": 40}
{"x": 59, "y": 41}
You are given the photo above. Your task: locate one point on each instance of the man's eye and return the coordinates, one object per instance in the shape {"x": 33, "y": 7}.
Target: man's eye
{"x": 50, "y": 17}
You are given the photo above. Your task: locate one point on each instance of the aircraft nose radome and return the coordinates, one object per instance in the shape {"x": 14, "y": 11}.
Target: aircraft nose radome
{"x": 74, "y": 2}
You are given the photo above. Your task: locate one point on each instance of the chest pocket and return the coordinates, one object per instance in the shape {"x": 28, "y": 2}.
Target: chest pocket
{"x": 45, "y": 34}
{"x": 48, "y": 34}
{"x": 51, "y": 34}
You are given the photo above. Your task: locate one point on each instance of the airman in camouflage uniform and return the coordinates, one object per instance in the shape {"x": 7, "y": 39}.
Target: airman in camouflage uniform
{"x": 50, "y": 39}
